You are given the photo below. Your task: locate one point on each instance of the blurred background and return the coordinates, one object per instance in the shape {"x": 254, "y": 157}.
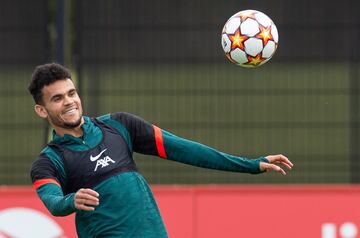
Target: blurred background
{"x": 163, "y": 61}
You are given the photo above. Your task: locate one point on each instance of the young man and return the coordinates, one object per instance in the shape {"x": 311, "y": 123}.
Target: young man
{"x": 88, "y": 166}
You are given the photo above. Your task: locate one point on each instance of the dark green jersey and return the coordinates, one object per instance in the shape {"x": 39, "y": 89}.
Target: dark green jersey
{"x": 102, "y": 160}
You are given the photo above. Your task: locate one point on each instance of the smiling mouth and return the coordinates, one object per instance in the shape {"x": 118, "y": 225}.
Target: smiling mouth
{"x": 71, "y": 111}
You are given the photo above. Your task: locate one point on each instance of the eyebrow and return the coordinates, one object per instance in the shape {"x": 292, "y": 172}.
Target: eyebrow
{"x": 60, "y": 95}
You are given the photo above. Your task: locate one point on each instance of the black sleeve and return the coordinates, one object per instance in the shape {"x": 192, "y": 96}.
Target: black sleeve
{"x": 42, "y": 168}
{"x": 141, "y": 132}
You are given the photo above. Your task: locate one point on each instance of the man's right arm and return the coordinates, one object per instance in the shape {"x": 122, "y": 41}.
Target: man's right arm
{"x": 46, "y": 182}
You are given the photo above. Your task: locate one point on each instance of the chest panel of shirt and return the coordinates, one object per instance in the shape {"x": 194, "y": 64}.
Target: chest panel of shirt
{"x": 86, "y": 169}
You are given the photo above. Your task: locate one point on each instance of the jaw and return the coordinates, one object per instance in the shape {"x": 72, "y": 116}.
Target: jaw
{"x": 69, "y": 119}
{"x": 72, "y": 128}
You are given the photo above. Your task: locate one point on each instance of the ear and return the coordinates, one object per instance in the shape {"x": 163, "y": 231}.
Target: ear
{"x": 41, "y": 111}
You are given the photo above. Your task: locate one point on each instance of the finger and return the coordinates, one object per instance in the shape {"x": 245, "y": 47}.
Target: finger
{"x": 80, "y": 203}
{"x": 276, "y": 168}
{"x": 279, "y": 158}
{"x": 86, "y": 197}
{"x": 286, "y": 165}
{"x": 90, "y": 192}
{"x": 85, "y": 207}
{"x": 285, "y": 160}
{"x": 87, "y": 202}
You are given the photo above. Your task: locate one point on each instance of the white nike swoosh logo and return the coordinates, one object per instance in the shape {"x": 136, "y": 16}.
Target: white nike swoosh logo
{"x": 94, "y": 158}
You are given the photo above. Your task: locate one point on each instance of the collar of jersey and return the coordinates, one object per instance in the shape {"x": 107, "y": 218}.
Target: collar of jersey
{"x": 92, "y": 135}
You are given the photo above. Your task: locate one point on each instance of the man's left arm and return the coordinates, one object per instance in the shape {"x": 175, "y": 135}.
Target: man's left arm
{"x": 150, "y": 139}
{"x": 194, "y": 153}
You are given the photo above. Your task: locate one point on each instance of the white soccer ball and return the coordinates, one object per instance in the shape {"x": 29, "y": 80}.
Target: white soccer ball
{"x": 249, "y": 38}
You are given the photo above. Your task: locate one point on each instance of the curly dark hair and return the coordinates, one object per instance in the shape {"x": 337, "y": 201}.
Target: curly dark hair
{"x": 44, "y": 75}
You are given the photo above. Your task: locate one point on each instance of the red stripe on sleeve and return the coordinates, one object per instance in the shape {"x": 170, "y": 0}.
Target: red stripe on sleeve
{"x": 159, "y": 142}
{"x": 40, "y": 182}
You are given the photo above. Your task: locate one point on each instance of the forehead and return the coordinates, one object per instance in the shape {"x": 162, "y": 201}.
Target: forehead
{"x": 58, "y": 87}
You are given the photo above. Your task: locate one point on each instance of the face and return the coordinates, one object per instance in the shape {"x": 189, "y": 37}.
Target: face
{"x": 61, "y": 105}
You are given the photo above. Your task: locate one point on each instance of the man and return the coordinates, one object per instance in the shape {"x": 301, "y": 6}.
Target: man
{"x": 88, "y": 167}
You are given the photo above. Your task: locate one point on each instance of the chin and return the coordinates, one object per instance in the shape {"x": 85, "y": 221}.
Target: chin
{"x": 73, "y": 124}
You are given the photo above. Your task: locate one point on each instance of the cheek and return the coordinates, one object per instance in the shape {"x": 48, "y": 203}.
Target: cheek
{"x": 79, "y": 103}
{"x": 53, "y": 110}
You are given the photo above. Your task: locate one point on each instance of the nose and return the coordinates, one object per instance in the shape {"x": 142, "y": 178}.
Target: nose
{"x": 68, "y": 100}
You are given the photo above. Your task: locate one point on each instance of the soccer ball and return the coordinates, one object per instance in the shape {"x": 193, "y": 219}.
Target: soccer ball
{"x": 249, "y": 38}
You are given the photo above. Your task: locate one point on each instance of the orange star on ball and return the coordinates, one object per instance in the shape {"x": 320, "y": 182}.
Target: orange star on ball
{"x": 255, "y": 61}
{"x": 237, "y": 40}
{"x": 265, "y": 34}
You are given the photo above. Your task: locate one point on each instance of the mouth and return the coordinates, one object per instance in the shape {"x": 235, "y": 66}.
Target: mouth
{"x": 70, "y": 111}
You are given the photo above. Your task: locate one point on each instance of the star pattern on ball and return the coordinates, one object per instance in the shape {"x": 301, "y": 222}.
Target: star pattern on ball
{"x": 237, "y": 40}
{"x": 247, "y": 14}
{"x": 255, "y": 61}
{"x": 265, "y": 34}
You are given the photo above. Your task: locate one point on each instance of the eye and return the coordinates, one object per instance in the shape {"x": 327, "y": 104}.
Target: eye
{"x": 72, "y": 93}
{"x": 56, "y": 99}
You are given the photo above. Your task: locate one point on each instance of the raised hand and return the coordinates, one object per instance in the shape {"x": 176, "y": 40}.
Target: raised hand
{"x": 274, "y": 162}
